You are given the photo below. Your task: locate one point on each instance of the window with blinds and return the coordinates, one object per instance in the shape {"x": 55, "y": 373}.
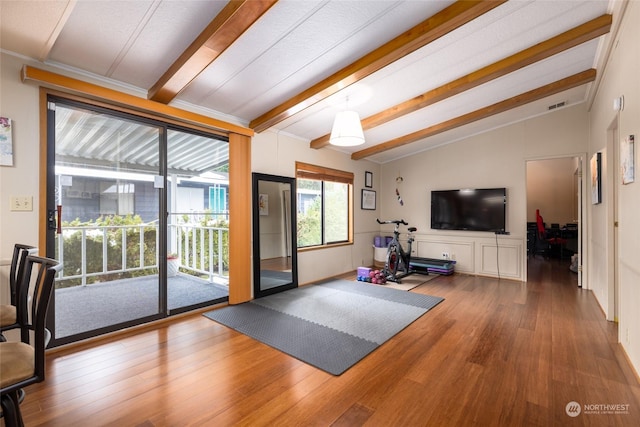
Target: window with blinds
{"x": 324, "y": 203}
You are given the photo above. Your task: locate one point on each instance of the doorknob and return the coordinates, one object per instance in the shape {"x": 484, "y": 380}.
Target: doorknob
{"x": 51, "y": 219}
{"x": 54, "y": 223}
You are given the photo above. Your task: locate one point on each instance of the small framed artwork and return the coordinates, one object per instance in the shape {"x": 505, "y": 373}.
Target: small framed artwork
{"x": 368, "y": 179}
{"x": 6, "y": 144}
{"x": 627, "y": 159}
{"x": 596, "y": 178}
{"x": 368, "y": 200}
{"x": 263, "y": 204}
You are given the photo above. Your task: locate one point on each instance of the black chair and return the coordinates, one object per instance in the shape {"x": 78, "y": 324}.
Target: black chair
{"x": 532, "y": 229}
{"x": 22, "y": 364}
{"x": 557, "y": 241}
{"x": 8, "y": 312}
{"x": 541, "y": 246}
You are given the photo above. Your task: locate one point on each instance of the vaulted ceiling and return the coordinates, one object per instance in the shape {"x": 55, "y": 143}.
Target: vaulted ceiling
{"x": 420, "y": 73}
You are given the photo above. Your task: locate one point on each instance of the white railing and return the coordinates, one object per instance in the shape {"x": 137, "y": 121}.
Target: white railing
{"x": 195, "y": 245}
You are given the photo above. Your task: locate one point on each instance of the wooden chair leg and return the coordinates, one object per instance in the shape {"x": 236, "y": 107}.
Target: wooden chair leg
{"x": 11, "y": 410}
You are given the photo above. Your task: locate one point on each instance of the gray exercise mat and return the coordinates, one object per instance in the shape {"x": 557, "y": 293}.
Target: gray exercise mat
{"x": 331, "y": 325}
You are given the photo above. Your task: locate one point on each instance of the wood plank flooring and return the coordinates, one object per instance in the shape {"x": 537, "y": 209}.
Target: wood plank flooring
{"x": 494, "y": 353}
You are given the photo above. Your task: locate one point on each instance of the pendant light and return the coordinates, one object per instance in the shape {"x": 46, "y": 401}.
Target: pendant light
{"x": 347, "y": 130}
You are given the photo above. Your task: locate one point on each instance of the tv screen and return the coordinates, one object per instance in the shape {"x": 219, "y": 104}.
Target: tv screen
{"x": 481, "y": 209}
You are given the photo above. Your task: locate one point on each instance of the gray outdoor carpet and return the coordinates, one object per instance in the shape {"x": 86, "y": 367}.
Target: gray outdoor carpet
{"x": 330, "y": 325}
{"x": 85, "y": 308}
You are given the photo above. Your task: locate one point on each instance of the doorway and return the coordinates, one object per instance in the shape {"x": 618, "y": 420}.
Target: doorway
{"x": 555, "y": 192}
{"x": 129, "y": 198}
{"x": 612, "y": 156}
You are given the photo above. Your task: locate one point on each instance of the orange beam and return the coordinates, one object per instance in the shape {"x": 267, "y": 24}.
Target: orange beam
{"x": 538, "y": 52}
{"x": 124, "y": 99}
{"x": 500, "y": 107}
{"x": 440, "y": 24}
{"x": 236, "y": 17}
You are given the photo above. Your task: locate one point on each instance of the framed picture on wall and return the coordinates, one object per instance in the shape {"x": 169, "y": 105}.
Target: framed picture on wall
{"x": 368, "y": 179}
{"x": 263, "y": 204}
{"x": 368, "y": 200}
{"x": 6, "y": 144}
{"x": 596, "y": 178}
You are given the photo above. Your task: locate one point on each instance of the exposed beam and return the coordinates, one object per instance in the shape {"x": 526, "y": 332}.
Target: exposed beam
{"x": 499, "y": 107}
{"x": 443, "y": 22}
{"x": 93, "y": 91}
{"x": 538, "y": 52}
{"x": 236, "y": 17}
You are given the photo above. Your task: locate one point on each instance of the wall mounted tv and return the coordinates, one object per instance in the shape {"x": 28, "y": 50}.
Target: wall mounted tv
{"x": 480, "y": 209}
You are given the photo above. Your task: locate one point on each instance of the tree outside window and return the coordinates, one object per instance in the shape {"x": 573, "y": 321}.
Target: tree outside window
{"x": 324, "y": 203}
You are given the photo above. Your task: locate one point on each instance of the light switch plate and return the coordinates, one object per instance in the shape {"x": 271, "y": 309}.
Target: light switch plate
{"x": 21, "y": 203}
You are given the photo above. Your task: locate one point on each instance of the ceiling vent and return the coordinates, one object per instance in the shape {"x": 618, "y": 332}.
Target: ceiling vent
{"x": 558, "y": 105}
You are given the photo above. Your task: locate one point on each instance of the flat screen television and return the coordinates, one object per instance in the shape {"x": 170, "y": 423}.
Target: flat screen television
{"x": 480, "y": 209}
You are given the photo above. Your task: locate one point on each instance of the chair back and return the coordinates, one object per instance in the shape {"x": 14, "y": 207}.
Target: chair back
{"x": 20, "y": 253}
{"x": 37, "y": 281}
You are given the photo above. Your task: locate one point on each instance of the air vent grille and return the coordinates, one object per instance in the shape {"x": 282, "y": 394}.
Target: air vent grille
{"x": 558, "y": 105}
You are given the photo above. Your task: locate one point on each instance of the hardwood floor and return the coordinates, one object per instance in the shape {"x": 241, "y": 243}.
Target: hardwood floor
{"x": 276, "y": 264}
{"x": 494, "y": 353}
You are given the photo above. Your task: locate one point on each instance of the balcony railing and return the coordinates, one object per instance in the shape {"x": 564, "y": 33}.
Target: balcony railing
{"x": 117, "y": 249}
{"x": 195, "y": 246}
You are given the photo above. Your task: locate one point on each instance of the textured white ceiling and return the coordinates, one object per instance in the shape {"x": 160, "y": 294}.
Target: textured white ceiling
{"x": 297, "y": 43}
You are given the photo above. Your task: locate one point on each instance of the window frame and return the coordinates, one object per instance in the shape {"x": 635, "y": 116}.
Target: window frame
{"x": 324, "y": 174}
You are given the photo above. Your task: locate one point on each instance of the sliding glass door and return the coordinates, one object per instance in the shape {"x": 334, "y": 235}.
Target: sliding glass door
{"x": 136, "y": 214}
{"x": 197, "y": 220}
{"x": 103, "y": 220}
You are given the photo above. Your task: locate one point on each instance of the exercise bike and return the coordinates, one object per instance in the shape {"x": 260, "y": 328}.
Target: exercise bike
{"x": 397, "y": 264}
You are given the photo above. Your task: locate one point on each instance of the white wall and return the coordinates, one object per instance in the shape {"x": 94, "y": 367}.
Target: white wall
{"x": 620, "y": 77}
{"x": 19, "y": 102}
{"x": 494, "y": 159}
{"x": 275, "y": 154}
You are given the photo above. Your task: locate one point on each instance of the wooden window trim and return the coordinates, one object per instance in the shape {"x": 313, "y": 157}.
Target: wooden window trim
{"x": 322, "y": 173}
{"x": 125, "y": 100}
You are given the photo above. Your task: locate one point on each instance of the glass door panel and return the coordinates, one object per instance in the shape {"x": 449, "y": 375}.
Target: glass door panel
{"x": 197, "y": 220}
{"x": 107, "y": 201}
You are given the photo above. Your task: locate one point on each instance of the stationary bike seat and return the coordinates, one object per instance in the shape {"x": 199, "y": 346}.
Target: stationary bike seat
{"x": 412, "y": 229}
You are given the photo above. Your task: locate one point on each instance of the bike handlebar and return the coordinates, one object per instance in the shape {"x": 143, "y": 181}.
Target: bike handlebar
{"x": 393, "y": 221}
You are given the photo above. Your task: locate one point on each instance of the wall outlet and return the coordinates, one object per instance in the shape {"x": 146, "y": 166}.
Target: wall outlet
{"x": 445, "y": 255}
{"x": 21, "y": 203}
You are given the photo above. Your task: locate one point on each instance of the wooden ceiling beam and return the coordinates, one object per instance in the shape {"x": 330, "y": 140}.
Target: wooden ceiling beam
{"x": 73, "y": 87}
{"x": 500, "y": 107}
{"x": 567, "y": 40}
{"x": 443, "y": 22}
{"x": 234, "y": 19}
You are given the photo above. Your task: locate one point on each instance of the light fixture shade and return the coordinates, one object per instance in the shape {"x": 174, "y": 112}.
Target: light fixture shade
{"x": 347, "y": 130}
